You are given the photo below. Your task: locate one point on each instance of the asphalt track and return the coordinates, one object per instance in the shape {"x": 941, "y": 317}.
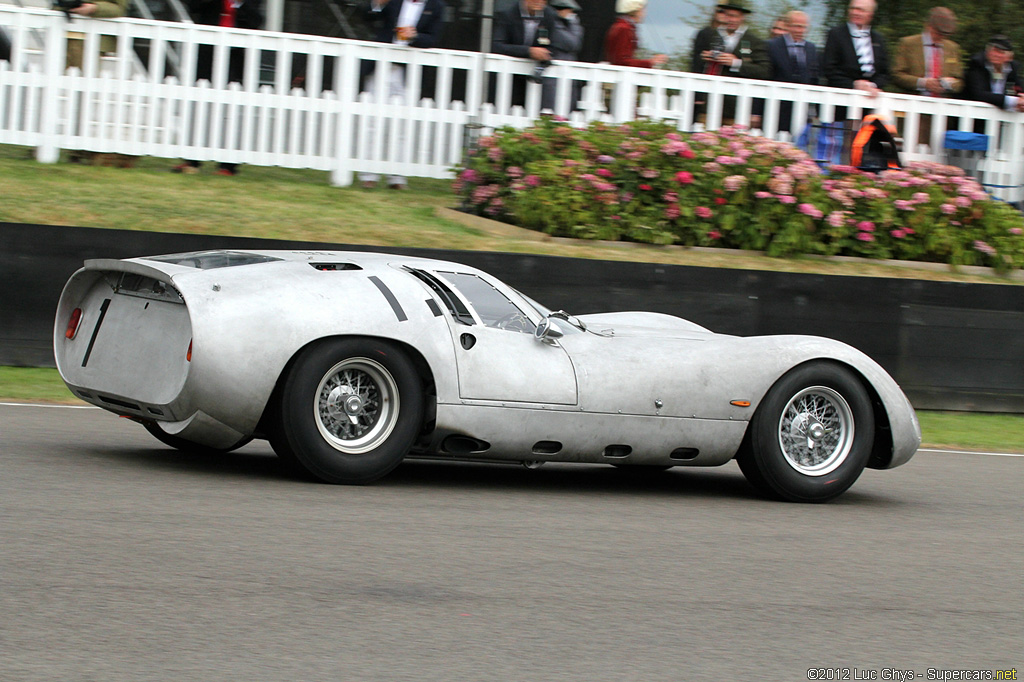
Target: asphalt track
{"x": 123, "y": 560}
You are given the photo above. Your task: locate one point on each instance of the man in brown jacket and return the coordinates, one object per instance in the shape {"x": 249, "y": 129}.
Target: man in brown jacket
{"x": 929, "y": 63}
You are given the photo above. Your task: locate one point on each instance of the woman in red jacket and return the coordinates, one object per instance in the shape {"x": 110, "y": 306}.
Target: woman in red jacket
{"x": 620, "y": 42}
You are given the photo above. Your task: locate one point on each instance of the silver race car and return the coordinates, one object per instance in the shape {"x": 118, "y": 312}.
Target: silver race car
{"x": 350, "y": 362}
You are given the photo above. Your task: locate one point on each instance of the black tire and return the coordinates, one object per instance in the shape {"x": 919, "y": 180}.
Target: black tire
{"x": 811, "y": 436}
{"x": 349, "y": 410}
{"x": 187, "y": 445}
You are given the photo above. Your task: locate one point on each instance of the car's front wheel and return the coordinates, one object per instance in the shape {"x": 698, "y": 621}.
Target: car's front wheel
{"x": 811, "y": 437}
{"x": 349, "y": 411}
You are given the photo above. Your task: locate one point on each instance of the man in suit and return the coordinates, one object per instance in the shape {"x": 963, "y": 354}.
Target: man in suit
{"x": 994, "y": 77}
{"x": 524, "y": 30}
{"x": 855, "y": 55}
{"x": 414, "y": 23}
{"x": 728, "y": 48}
{"x": 929, "y": 63}
{"x": 793, "y": 60}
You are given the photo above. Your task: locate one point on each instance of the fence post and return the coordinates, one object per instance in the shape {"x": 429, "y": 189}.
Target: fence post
{"x": 346, "y": 78}
{"x": 54, "y": 56}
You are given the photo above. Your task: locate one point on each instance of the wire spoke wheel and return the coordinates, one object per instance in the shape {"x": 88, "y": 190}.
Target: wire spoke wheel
{"x": 811, "y": 436}
{"x": 349, "y": 410}
{"x": 356, "y": 405}
{"x": 816, "y": 431}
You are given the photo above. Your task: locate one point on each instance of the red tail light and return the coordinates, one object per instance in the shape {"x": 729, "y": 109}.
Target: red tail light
{"x": 72, "y": 330}
{"x": 188, "y": 355}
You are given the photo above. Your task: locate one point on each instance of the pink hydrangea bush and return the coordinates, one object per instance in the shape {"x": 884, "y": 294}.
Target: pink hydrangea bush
{"x": 645, "y": 181}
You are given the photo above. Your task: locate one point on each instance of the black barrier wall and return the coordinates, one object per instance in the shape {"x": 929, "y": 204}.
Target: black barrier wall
{"x": 949, "y": 345}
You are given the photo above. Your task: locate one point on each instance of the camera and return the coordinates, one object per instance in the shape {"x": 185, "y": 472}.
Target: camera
{"x": 538, "y": 72}
{"x": 66, "y": 6}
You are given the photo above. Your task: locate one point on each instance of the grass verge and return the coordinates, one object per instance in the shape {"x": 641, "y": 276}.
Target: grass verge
{"x": 953, "y": 430}
{"x": 281, "y": 203}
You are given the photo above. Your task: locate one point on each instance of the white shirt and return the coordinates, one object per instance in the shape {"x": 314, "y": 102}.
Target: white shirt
{"x": 408, "y": 15}
{"x": 730, "y": 42}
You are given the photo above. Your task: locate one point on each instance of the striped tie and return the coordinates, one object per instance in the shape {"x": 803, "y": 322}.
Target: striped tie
{"x": 865, "y": 53}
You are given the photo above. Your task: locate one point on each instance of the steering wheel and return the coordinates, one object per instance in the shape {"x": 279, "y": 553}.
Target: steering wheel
{"x": 514, "y": 321}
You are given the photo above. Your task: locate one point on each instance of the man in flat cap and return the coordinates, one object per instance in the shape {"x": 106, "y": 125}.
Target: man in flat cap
{"x": 994, "y": 77}
{"x": 566, "y": 43}
{"x": 929, "y": 63}
{"x": 728, "y": 48}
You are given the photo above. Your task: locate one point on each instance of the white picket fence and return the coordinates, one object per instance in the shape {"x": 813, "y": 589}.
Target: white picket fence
{"x": 152, "y": 105}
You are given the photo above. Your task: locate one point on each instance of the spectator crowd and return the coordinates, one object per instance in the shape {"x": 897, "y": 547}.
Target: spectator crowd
{"x": 855, "y": 55}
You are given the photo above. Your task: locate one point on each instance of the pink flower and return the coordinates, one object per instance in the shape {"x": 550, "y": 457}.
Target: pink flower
{"x": 921, "y": 198}
{"x": 948, "y": 209}
{"x": 1016, "y": 230}
{"x": 646, "y": 188}
{"x": 469, "y": 175}
{"x": 787, "y": 199}
{"x": 903, "y": 205}
{"x": 984, "y": 248}
{"x": 962, "y": 202}
{"x": 684, "y": 177}
{"x": 715, "y": 234}
{"x": 532, "y": 180}
{"x": 604, "y": 158}
{"x": 687, "y": 153}
{"x": 604, "y": 172}
{"x": 734, "y": 182}
{"x": 514, "y": 172}
{"x": 721, "y": 200}
{"x": 897, "y": 233}
{"x": 866, "y": 226}
{"x": 836, "y": 218}
{"x": 702, "y": 212}
{"x": 865, "y": 236}
{"x": 763, "y": 195}
{"x": 672, "y": 211}
{"x": 810, "y": 209}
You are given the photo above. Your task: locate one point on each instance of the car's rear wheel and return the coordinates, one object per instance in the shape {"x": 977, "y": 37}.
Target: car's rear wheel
{"x": 811, "y": 437}
{"x": 188, "y": 446}
{"x": 349, "y": 411}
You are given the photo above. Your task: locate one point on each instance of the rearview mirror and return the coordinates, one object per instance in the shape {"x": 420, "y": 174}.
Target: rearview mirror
{"x": 547, "y": 332}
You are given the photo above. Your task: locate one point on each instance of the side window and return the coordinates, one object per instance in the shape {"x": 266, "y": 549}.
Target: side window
{"x": 493, "y": 307}
{"x": 455, "y": 307}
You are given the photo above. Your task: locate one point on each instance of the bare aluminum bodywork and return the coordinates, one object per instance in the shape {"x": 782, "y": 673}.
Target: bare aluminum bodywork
{"x": 637, "y": 388}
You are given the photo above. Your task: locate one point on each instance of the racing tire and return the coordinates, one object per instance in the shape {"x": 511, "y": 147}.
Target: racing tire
{"x": 188, "y": 446}
{"x": 811, "y": 436}
{"x": 349, "y": 410}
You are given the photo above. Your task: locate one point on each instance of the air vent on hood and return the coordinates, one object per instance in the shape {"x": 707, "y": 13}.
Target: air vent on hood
{"x": 332, "y": 267}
